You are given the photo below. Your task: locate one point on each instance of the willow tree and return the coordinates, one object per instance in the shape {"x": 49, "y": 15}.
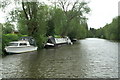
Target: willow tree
{"x": 78, "y": 10}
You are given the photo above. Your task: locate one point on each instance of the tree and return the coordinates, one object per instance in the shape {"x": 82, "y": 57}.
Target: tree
{"x": 92, "y": 32}
{"x": 77, "y": 11}
{"x": 50, "y": 28}
{"x": 8, "y": 28}
{"x": 33, "y": 21}
{"x": 38, "y": 20}
{"x": 111, "y": 30}
{"x": 30, "y": 12}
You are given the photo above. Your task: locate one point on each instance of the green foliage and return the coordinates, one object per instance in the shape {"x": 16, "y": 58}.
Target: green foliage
{"x": 57, "y": 36}
{"x": 92, "y": 33}
{"x": 59, "y": 21}
{"x": 37, "y": 25}
{"x": 21, "y": 24}
{"x": 109, "y": 31}
{"x": 52, "y": 21}
{"x": 50, "y": 28}
{"x": 75, "y": 15}
{"x": 6, "y": 38}
{"x": 40, "y": 40}
{"x": 7, "y": 28}
{"x": 40, "y": 20}
{"x": 77, "y": 30}
{"x": 100, "y": 33}
{"x": 1, "y": 38}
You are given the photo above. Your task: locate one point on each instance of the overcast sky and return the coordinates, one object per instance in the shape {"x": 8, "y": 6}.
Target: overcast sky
{"x": 102, "y": 12}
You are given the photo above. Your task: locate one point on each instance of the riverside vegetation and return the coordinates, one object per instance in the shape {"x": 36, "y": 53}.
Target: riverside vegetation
{"x": 109, "y": 31}
{"x": 40, "y": 20}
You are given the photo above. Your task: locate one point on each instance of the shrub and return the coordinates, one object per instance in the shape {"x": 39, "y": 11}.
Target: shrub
{"x": 6, "y": 38}
{"x": 40, "y": 40}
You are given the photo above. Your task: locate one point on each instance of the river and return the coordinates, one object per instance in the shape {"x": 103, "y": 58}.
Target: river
{"x": 87, "y": 58}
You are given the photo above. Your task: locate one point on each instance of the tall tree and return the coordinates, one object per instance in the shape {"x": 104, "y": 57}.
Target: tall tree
{"x": 78, "y": 10}
{"x": 30, "y": 11}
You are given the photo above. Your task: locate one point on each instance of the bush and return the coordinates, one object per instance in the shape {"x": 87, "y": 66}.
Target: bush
{"x": 40, "y": 40}
{"x": 6, "y": 38}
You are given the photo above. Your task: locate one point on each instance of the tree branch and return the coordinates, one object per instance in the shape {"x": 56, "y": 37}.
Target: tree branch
{"x": 23, "y": 6}
{"x": 29, "y": 10}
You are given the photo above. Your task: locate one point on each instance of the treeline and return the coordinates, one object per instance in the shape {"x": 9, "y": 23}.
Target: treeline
{"x": 109, "y": 31}
{"x": 40, "y": 20}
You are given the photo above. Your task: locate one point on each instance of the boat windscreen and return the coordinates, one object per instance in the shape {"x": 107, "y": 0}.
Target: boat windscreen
{"x": 13, "y": 44}
{"x": 23, "y": 44}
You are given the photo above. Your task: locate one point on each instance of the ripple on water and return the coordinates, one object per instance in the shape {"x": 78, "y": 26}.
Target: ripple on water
{"x": 91, "y": 58}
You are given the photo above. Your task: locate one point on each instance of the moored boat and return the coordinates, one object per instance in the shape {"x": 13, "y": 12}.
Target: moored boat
{"x": 53, "y": 41}
{"x": 20, "y": 46}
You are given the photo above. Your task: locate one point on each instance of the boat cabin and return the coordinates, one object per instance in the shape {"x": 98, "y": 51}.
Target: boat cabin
{"x": 31, "y": 40}
{"x": 19, "y": 43}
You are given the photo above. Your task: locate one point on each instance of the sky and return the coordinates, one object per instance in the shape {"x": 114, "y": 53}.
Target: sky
{"x": 102, "y": 12}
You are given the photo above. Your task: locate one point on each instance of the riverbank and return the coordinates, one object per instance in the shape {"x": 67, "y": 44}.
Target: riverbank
{"x": 4, "y": 53}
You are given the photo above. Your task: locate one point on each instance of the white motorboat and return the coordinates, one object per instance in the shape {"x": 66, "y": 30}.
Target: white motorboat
{"x": 20, "y": 47}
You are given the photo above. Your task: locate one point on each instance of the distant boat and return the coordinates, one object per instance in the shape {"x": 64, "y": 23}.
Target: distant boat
{"x": 20, "y": 46}
{"x": 52, "y": 41}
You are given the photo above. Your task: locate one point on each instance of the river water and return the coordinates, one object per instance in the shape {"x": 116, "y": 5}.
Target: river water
{"x": 87, "y": 58}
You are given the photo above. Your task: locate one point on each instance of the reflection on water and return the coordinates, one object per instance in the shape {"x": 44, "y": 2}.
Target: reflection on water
{"x": 88, "y": 58}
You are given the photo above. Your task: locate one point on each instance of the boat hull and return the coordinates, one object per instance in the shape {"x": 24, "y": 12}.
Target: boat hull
{"x": 20, "y": 49}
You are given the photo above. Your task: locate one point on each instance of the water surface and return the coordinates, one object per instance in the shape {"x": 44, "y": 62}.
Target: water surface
{"x": 88, "y": 58}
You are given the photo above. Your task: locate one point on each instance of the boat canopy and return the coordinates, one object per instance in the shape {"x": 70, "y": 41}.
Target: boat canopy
{"x": 30, "y": 39}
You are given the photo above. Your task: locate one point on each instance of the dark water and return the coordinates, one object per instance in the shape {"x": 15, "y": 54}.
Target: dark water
{"x": 88, "y": 58}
